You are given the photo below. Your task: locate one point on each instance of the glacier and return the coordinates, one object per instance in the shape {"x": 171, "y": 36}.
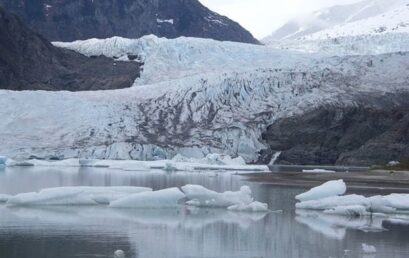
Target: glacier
{"x": 195, "y": 97}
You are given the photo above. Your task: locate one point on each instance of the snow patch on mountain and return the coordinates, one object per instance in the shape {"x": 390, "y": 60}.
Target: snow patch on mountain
{"x": 366, "y": 27}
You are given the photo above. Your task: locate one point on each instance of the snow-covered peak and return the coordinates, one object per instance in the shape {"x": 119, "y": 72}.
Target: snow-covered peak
{"x": 362, "y": 17}
{"x": 395, "y": 19}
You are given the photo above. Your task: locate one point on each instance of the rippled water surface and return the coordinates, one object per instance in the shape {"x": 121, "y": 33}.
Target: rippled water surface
{"x": 182, "y": 233}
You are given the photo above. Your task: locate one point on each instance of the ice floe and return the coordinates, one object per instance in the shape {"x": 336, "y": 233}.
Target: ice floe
{"x": 238, "y": 201}
{"x": 331, "y": 188}
{"x": 65, "y": 196}
{"x": 251, "y": 207}
{"x": 139, "y": 197}
{"x": 318, "y": 171}
{"x": 368, "y": 249}
{"x": 329, "y": 199}
{"x": 178, "y": 163}
{"x": 167, "y": 198}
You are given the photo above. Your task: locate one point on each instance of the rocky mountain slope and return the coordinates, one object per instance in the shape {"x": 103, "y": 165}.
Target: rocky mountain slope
{"x": 367, "y": 27}
{"x": 68, "y": 20}
{"x": 30, "y": 62}
{"x": 249, "y": 111}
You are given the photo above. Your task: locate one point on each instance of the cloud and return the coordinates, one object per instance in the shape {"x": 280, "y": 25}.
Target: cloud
{"x": 261, "y": 17}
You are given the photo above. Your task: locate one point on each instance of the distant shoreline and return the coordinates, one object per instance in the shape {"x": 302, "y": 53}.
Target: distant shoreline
{"x": 377, "y": 181}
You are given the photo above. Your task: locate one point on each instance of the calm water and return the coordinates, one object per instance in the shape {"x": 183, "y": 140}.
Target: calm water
{"x": 184, "y": 233}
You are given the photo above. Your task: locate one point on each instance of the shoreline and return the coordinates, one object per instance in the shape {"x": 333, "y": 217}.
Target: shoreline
{"x": 379, "y": 181}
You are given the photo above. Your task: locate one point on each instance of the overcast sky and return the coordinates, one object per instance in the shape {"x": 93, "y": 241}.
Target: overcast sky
{"x": 261, "y": 17}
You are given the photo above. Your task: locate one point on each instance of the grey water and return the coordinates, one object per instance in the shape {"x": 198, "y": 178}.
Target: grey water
{"x": 65, "y": 232}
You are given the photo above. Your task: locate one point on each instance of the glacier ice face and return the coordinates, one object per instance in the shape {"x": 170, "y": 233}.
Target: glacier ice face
{"x": 167, "y": 198}
{"x": 328, "y": 189}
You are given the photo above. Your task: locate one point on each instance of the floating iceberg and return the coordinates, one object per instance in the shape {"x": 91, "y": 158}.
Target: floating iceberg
{"x": 334, "y": 201}
{"x": 368, "y": 249}
{"x": 326, "y": 198}
{"x": 66, "y": 196}
{"x": 318, "y": 171}
{"x": 201, "y": 196}
{"x": 167, "y": 198}
{"x": 138, "y": 197}
{"x": 236, "y": 201}
{"x": 331, "y": 188}
{"x": 251, "y": 207}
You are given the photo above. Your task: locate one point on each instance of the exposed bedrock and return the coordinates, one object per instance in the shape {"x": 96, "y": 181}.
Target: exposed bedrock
{"x": 375, "y": 131}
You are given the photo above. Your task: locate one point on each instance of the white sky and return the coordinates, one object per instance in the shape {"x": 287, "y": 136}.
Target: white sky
{"x": 262, "y": 17}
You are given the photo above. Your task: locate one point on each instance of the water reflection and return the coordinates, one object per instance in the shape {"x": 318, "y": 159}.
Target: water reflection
{"x": 174, "y": 233}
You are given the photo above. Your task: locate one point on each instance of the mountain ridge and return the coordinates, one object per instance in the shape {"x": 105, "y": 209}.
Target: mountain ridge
{"x": 69, "y": 20}
{"x": 30, "y": 62}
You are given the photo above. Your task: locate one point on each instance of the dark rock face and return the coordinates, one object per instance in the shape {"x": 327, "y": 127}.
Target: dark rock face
{"x": 30, "y": 62}
{"x": 367, "y": 134}
{"x": 69, "y": 20}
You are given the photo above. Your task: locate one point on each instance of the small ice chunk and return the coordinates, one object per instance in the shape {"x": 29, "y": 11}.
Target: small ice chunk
{"x": 4, "y": 198}
{"x": 171, "y": 166}
{"x": 119, "y": 254}
{"x": 318, "y": 171}
{"x": 328, "y": 189}
{"x": 368, "y": 249}
{"x": 166, "y": 198}
{"x": 393, "y": 163}
{"x": 204, "y": 197}
{"x": 252, "y": 207}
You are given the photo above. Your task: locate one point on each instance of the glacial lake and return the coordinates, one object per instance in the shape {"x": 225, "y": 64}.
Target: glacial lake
{"x": 67, "y": 232}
